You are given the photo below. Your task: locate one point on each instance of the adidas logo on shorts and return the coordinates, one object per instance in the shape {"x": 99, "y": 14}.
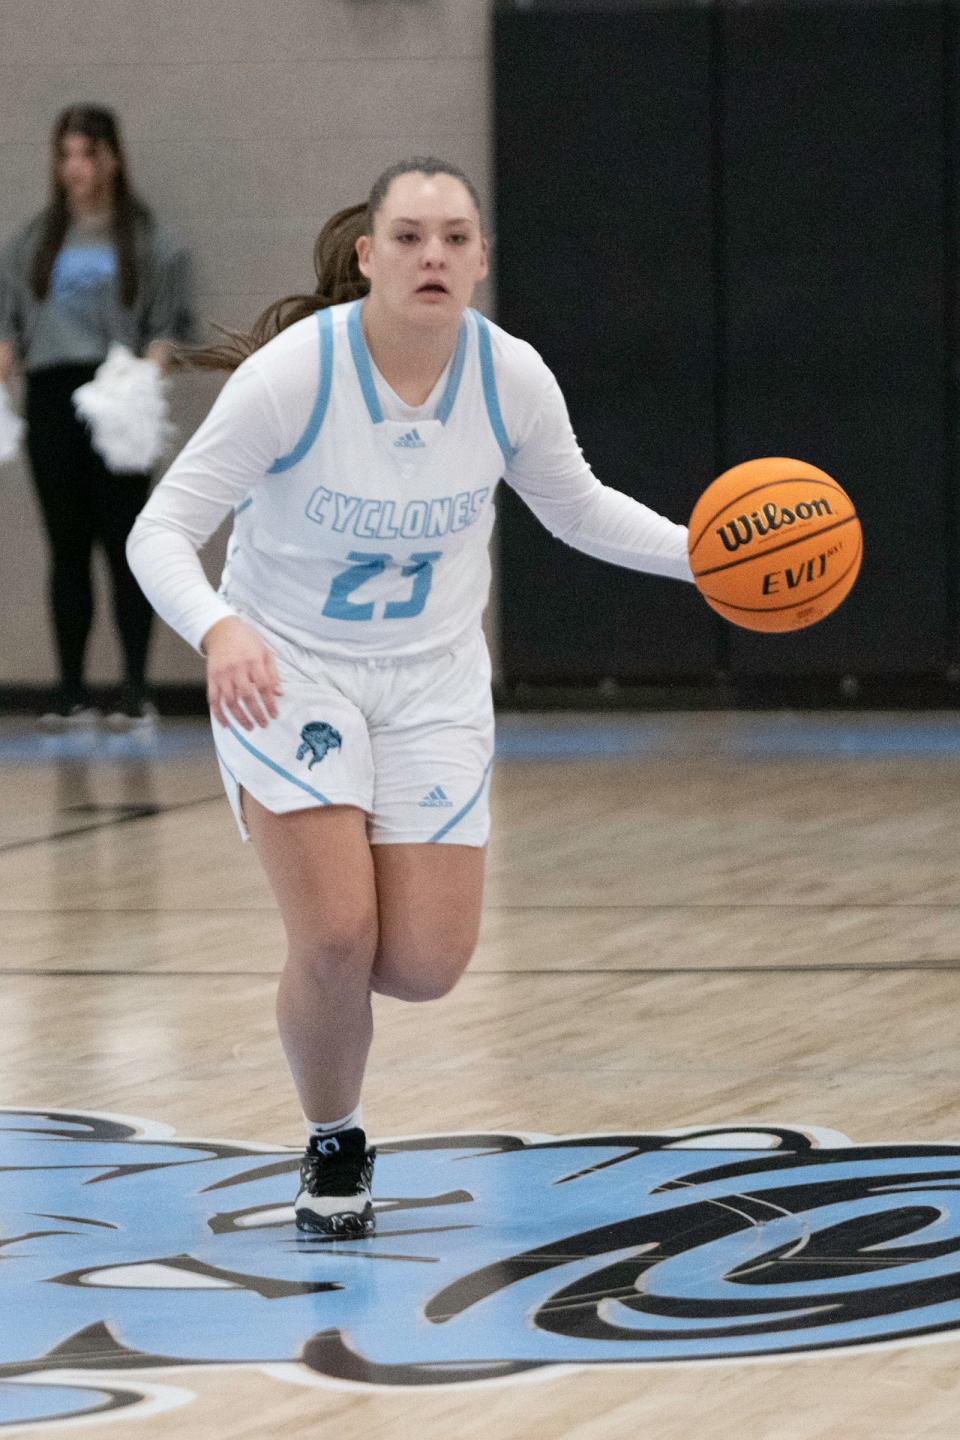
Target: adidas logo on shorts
{"x": 436, "y": 799}
{"x": 410, "y": 441}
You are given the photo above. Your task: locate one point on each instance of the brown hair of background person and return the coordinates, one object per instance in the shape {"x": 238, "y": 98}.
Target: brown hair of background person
{"x": 100, "y": 127}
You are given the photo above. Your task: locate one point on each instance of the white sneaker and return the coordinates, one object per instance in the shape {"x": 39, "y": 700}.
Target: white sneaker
{"x": 335, "y": 1178}
{"x": 66, "y": 713}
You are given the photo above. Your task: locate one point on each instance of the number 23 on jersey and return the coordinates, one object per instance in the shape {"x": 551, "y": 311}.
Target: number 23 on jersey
{"x": 364, "y": 567}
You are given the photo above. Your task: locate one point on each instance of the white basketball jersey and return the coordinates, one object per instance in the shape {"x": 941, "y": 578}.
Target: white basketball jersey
{"x": 370, "y": 535}
{"x": 361, "y": 524}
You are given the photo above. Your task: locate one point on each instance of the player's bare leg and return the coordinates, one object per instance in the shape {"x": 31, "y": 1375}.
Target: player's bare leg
{"x": 402, "y": 919}
{"x": 319, "y": 865}
{"x": 429, "y": 899}
{"x": 320, "y": 869}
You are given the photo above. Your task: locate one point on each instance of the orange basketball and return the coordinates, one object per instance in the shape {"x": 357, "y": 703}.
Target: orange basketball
{"x": 774, "y": 544}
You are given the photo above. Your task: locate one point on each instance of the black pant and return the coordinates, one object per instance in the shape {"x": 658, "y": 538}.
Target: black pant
{"x": 83, "y": 502}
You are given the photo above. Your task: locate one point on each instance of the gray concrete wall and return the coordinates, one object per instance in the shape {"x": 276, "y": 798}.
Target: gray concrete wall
{"x": 247, "y": 123}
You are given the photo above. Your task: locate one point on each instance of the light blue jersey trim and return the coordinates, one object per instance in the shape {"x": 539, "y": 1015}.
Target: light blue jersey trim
{"x": 361, "y": 359}
{"x": 245, "y": 506}
{"x": 278, "y": 769}
{"x": 490, "y": 387}
{"x": 453, "y": 380}
{"x": 455, "y": 819}
{"x": 325, "y": 328}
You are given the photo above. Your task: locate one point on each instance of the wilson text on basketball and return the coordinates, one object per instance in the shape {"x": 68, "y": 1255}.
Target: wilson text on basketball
{"x": 768, "y": 519}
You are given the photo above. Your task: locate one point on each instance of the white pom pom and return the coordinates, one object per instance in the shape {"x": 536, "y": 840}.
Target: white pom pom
{"x": 126, "y": 407}
{"x": 11, "y": 427}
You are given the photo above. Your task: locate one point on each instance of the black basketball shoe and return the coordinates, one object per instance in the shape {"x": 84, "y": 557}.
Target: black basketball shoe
{"x": 335, "y": 1177}
{"x": 133, "y": 710}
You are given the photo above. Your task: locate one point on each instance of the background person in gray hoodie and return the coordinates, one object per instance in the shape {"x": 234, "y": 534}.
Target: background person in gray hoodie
{"x": 92, "y": 269}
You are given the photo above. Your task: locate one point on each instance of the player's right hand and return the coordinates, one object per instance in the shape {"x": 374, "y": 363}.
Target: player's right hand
{"x": 242, "y": 679}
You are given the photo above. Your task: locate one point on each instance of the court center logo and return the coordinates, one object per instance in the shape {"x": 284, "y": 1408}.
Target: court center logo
{"x": 129, "y": 1252}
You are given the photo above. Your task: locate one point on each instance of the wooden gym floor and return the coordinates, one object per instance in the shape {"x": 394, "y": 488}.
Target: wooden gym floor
{"x": 680, "y": 1157}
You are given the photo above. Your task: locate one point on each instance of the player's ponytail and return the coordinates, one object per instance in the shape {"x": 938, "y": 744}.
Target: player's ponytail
{"x": 338, "y": 280}
{"x": 335, "y": 264}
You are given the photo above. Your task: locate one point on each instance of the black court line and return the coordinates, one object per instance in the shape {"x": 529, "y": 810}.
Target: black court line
{"x": 853, "y": 907}
{"x": 830, "y": 967}
{"x": 803, "y": 905}
{"x": 893, "y": 967}
{"x": 232, "y": 910}
{"x": 127, "y": 816}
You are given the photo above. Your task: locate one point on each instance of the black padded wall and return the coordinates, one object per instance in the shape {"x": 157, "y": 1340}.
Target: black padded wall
{"x": 729, "y": 230}
{"x": 951, "y": 210}
{"x": 834, "y": 334}
{"x": 604, "y": 256}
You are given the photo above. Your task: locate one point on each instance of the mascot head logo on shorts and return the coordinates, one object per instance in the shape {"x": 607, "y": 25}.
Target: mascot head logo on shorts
{"x": 128, "y": 1249}
{"x": 317, "y": 738}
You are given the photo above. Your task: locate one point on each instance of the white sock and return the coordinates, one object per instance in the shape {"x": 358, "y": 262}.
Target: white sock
{"x": 353, "y": 1121}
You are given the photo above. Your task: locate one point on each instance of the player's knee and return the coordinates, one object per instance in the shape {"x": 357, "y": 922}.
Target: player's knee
{"x": 337, "y": 950}
{"x": 413, "y": 987}
{"x": 420, "y": 976}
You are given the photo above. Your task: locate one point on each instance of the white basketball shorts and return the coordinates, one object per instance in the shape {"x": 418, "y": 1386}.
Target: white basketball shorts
{"x": 409, "y": 741}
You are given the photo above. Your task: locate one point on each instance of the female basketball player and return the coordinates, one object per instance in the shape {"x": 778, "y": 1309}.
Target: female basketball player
{"x": 348, "y": 677}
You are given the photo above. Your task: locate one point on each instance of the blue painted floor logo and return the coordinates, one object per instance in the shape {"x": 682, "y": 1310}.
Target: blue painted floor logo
{"x": 126, "y": 1248}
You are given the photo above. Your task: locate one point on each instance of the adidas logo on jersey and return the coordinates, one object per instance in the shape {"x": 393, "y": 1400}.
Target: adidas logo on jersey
{"x": 410, "y": 441}
{"x": 436, "y": 799}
